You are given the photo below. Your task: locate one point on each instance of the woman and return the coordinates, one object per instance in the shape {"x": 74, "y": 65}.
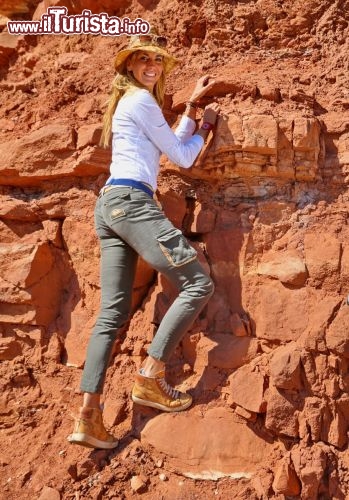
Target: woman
{"x": 130, "y": 223}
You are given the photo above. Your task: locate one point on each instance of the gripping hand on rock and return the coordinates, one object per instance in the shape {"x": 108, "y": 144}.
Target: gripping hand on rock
{"x": 203, "y": 85}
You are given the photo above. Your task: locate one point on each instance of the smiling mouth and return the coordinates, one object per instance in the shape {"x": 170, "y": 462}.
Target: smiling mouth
{"x": 151, "y": 75}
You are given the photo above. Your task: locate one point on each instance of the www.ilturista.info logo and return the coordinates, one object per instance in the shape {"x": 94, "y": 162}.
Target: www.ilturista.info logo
{"x": 57, "y": 22}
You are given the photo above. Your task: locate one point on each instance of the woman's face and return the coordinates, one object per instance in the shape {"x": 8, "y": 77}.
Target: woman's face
{"x": 147, "y": 67}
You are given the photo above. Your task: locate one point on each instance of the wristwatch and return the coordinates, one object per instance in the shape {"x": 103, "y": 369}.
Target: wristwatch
{"x": 207, "y": 126}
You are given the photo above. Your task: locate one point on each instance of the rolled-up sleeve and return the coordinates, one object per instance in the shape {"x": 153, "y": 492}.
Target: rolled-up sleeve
{"x": 182, "y": 148}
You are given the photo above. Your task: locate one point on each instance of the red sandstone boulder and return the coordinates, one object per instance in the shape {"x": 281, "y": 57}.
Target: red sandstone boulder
{"x": 174, "y": 206}
{"x": 285, "y": 367}
{"x": 9, "y": 44}
{"x": 9, "y": 348}
{"x": 222, "y": 351}
{"x": 282, "y": 413}
{"x": 218, "y": 444}
{"x": 260, "y": 134}
{"x": 290, "y": 314}
{"x": 337, "y": 339}
{"x": 286, "y": 481}
{"x": 288, "y": 267}
{"x": 306, "y": 143}
{"x": 26, "y": 270}
{"x": 42, "y": 152}
{"x": 89, "y": 135}
{"x": 310, "y": 466}
{"x": 92, "y": 160}
{"x": 229, "y": 134}
{"x": 275, "y": 305}
{"x": 310, "y": 422}
{"x": 323, "y": 260}
{"x": 247, "y": 389}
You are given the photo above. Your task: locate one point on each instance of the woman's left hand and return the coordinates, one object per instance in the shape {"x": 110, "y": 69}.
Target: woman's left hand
{"x": 211, "y": 113}
{"x": 203, "y": 85}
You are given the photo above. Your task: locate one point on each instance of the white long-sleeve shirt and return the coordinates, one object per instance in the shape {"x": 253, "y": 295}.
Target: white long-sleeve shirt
{"x": 141, "y": 134}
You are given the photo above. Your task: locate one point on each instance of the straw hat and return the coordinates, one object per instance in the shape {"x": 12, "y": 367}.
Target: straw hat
{"x": 152, "y": 42}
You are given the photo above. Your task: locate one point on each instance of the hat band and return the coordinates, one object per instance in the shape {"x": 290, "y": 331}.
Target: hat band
{"x": 159, "y": 41}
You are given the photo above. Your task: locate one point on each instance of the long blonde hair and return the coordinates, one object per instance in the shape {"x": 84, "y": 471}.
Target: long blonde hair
{"x": 122, "y": 83}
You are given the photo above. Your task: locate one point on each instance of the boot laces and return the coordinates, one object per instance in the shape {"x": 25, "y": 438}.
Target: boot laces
{"x": 173, "y": 393}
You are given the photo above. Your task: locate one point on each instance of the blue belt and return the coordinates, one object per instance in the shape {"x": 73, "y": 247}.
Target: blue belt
{"x": 131, "y": 183}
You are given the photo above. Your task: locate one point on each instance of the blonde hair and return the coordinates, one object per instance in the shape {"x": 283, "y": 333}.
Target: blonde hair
{"x": 122, "y": 83}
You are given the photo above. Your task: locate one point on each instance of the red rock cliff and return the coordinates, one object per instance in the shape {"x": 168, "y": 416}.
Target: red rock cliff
{"x": 266, "y": 206}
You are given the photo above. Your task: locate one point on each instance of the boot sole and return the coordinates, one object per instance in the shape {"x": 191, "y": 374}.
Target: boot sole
{"x": 91, "y": 442}
{"x": 159, "y": 406}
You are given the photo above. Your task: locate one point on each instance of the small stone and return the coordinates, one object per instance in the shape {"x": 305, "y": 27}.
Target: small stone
{"x": 85, "y": 468}
{"x": 187, "y": 369}
{"x": 25, "y": 477}
{"x": 163, "y": 477}
{"x": 237, "y": 325}
{"x": 137, "y": 484}
{"x": 247, "y": 415}
{"x": 101, "y": 457}
{"x": 125, "y": 454}
{"x": 159, "y": 463}
{"x": 72, "y": 471}
{"x": 48, "y": 493}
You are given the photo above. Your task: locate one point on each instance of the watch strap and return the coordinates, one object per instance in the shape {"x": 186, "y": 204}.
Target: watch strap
{"x": 207, "y": 126}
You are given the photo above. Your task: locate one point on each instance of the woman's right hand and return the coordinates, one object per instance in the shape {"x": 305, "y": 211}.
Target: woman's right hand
{"x": 203, "y": 85}
{"x": 210, "y": 113}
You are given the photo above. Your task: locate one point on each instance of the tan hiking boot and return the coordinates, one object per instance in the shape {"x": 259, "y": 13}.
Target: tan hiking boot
{"x": 89, "y": 430}
{"x": 155, "y": 392}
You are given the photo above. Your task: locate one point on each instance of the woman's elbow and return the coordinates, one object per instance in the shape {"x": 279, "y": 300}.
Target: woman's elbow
{"x": 185, "y": 162}
{"x": 186, "y": 165}
{"x": 183, "y": 159}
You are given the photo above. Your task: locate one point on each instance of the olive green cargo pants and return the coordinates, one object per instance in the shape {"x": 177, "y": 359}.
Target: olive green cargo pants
{"x": 130, "y": 223}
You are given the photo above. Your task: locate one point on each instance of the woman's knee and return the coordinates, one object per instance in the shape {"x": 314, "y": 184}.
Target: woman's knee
{"x": 111, "y": 320}
{"x": 208, "y": 287}
{"x": 202, "y": 287}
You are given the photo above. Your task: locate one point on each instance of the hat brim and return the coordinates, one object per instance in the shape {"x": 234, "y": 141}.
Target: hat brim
{"x": 169, "y": 61}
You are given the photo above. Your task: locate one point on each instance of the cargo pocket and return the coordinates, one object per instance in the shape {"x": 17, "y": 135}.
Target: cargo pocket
{"x": 114, "y": 203}
{"x": 116, "y": 213}
{"x": 177, "y": 249}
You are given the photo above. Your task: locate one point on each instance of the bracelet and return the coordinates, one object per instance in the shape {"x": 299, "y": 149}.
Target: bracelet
{"x": 207, "y": 126}
{"x": 192, "y": 104}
